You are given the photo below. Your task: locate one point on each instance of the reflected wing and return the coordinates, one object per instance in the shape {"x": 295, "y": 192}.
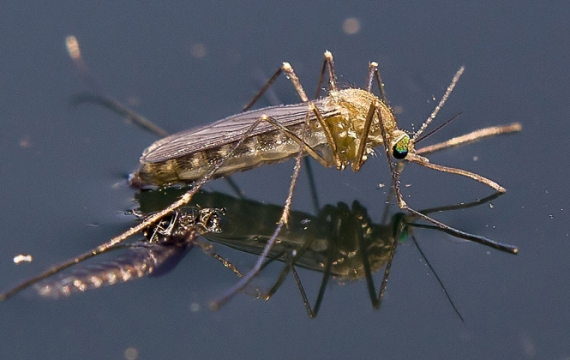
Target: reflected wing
{"x": 229, "y": 130}
{"x": 140, "y": 260}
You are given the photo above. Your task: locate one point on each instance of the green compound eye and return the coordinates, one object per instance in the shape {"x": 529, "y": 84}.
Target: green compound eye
{"x": 400, "y": 148}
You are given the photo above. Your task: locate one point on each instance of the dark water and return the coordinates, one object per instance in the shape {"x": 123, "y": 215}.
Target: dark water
{"x": 62, "y": 174}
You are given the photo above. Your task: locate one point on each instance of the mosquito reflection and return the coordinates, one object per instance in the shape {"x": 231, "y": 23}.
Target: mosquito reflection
{"x": 341, "y": 241}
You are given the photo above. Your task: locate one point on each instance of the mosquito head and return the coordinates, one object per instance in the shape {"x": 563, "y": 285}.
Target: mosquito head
{"x": 399, "y": 145}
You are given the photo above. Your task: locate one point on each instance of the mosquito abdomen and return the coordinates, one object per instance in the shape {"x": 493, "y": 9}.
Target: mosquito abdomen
{"x": 268, "y": 148}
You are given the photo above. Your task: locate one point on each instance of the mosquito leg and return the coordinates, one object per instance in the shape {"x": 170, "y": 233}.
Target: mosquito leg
{"x": 372, "y": 68}
{"x": 471, "y": 137}
{"x": 367, "y": 271}
{"x": 288, "y": 69}
{"x": 328, "y": 59}
{"x": 121, "y": 110}
{"x": 282, "y": 276}
{"x": 374, "y": 73}
{"x": 321, "y": 79}
{"x": 322, "y": 288}
{"x": 312, "y": 186}
{"x": 331, "y": 211}
{"x": 328, "y": 135}
{"x": 209, "y": 250}
{"x": 263, "y": 89}
{"x": 438, "y": 279}
{"x": 328, "y": 62}
{"x": 290, "y": 267}
{"x": 328, "y": 210}
{"x": 420, "y": 160}
{"x": 386, "y": 211}
{"x": 270, "y": 95}
{"x": 462, "y": 205}
{"x": 364, "y": 136}
{"x": 387, "y": 269}
{"x": 404, "y": 206}
{"x": 455, "y": 232}
{"x": 298, "y": 140}
{"x": 332, "y": 72}
{"x": 312, "y": 313}
{"x": 74, "y": 52}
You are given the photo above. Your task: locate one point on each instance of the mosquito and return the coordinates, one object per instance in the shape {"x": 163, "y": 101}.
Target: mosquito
{"x": 338, "y": 130}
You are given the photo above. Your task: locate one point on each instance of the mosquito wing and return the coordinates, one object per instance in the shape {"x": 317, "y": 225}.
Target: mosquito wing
{"x": 229, "y": 130}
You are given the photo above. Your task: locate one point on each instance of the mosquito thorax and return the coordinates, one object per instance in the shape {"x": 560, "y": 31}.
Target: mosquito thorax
{"x": 347, "y": 128}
